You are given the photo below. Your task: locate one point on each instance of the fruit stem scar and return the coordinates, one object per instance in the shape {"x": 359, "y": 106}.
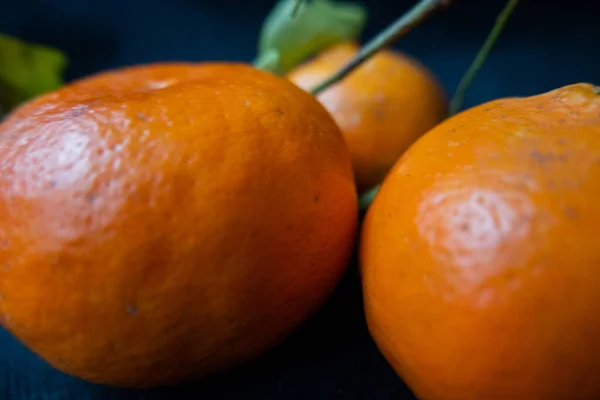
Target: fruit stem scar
{"x": 422, "y": 10}
{"x": 596, "y": 90}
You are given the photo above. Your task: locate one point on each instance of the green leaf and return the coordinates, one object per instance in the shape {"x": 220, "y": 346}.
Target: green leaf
{"x": 367, "y": 198}
{"x": 292, "y": 33}
{"x": 27, "y": 70}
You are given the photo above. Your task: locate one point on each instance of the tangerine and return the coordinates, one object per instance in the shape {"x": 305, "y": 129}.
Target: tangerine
{"x": 479, "y": 254}
{"x": 161, "y": 223}
{"x": 382, "y": 107}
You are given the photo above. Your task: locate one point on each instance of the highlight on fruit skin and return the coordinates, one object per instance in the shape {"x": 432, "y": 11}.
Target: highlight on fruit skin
{"x": 165, "y": 222}
{"x": 479, "y": 255}
{"x": 381, "y": 108}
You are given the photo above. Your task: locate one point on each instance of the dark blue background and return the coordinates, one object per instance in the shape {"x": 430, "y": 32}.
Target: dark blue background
{"x": 547, "y": 44}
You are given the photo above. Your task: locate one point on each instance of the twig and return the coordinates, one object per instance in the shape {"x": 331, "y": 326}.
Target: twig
{"x": 475, "y": 67}
{"x": 403, "y": 25}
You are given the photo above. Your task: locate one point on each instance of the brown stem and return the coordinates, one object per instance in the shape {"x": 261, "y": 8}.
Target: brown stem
{"x": 399, "y": 28}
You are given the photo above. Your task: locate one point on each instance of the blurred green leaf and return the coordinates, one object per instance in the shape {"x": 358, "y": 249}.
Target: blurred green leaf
{"x": 292, "y": 33}
{"x": 27, "y": 70}
{"x": 367, "y": 198}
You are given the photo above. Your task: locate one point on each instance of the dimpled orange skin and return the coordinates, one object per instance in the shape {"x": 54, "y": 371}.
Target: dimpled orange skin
{"x": 480, "y": 255}
{"x": 381, "y": 108}
{"x": 165, "y": 222}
